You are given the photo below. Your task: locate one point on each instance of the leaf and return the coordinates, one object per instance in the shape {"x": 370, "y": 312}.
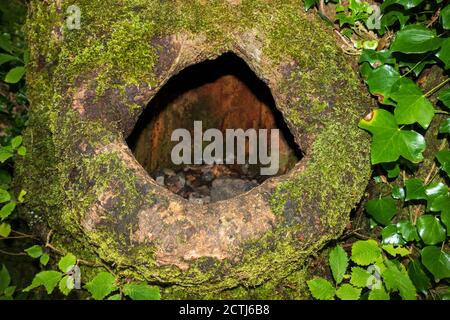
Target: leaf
{"x": 5, "y": 154}
{"x": 434, "y": 191}
{"x": 443, "y": 157}
{"x": 444, "y": 53}
{"x": 141, "y": 291}
{"x": 5, "y": 278}
{"x": 407, "y": 4}
{"x": 445, "y": 17}
{"x": 359, "y": 277}
{"x": 389, "y": 142}
{"x": 418, "y": 276}
{"x": 415, "y": 189}
{"x": 67, "y": 262}
{"x": 445, "y": 126}
{"x": 415, "y": 38}
{"x": 338, "y": 262}
{"x": 5, "y": 43}
{"x": 21, "y": 196}
{"x": 391, "y": 235}
{"x": 444, "y": 97}
{"x": 48, "y": 279}
{"x": 115, "y": 297}
{"x": 398, "y": 193}
{"x": 392, "y": 169}
{"x": 412, "y": 105}
{"x": 348, "y": 292}
{"x": 430, "y": 229}
{"x": 365, "y": 252}
{"x": 5, "y": 229}
{"x": 309, "y": 4}
{"x": 34, "y": 251}
{"x": 376, "y": 58}
{"x": 394, "y": 251}
{"x": 7, "y": 209}
{"x": 14, "y": 75}
{"x": 382, "y": 210}
{"x": 398, "y": 280}
{"x": 407, "y": 230}
{"x": 442, "y": 203}
{"x": 22, "y": 151}
{"x": 4, "y": 196}
{"x": 66, "y": 284}
{"x": 5, "y": 178}
{"x": 7, "y": 58}
{"x": 16, "y": 141}
{"x": 437, "y": 262}
{"x": 102, "y": 285}
{"x": 378, "y": 294}
{"x": 44, "y": 259}
{"x": 321, "y": 289}
{"x": 380, "y": 82}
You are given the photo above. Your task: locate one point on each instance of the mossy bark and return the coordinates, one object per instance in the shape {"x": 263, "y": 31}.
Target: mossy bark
{"x": 88, "y": 87}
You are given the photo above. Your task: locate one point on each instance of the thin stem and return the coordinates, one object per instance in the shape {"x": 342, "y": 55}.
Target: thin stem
{"x": 13, "y": 253}
{"x": 439, "y": 86}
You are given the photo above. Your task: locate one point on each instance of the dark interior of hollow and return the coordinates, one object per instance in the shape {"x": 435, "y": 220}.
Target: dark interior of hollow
{"x": 224, "y": 94}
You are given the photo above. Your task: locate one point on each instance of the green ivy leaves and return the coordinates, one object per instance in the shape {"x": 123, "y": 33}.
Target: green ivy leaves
{"x": 382, "y": 210}
{"x": 389, "y": 142}
{"x": 416, "y": 39}
{"x": 437, "y": 262}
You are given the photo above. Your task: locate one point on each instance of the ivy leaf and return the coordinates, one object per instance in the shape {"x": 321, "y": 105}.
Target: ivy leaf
{"x": 5, "y": 229}
{"x": 378, "y": 294}
{"x": 418, "y": 276}
{"x": 444, "y": 53}
{"x": 391, "y": 235}
{"x": 415, "y": 190}
{"x": 442, "y": 204}
{"x": 445, "y": 17}
{"x": 14, "y": 75}
{"x": 430, "y": 229}
{"x": 376, "y": 58}
{"x": 408, "y": 230}
{"x": 398, "y": 193}
{"x": 359, "y": 277}
{"x": 338, "y": 262}
{"x": 348, "y": 292}
{"x": 382, "y": 210}
{"x": 437, "y": 262}
{"x": 434, "y": 191}
{"x": 392, "y": 169}
{"x": 67, "y": 262}
{"x": 365, "y": 252}
{"x": 5, "y": 278}
{"x": 443, "y": 157}
{"x": 398, "y": 280}
{"x": 444, "y": 97}
{"x": 7, "y": 209}
{"x": 415, "y": 38}
{"x": 321, "y": 289}
{"x": 390, "y": 142}
{"x": 388, "y": 19}
{"x": 445, "y": 126}
{"x": 381, "y": 81}
{"x": 102, "y": 285}
{"x": 394, "y": 251}
{"x": 48, "y": 279}
{"x": 66, "y": 284}
{"x": 141, "y": 291}
{"x": 412, "y": 105}
{"x": 34, "y": 251}
{"x": 407, "y": 4}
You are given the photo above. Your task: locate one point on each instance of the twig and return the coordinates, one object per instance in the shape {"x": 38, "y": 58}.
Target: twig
{"x": 13, "y": 253}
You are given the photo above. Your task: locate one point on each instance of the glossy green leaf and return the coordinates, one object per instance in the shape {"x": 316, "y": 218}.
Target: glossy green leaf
{"x": 365, "y": 252}
{"x": 391, "y": 235}
{"x": 338, "y": 262}
{"x": 309, "y": 4}
{"x": 382, "y": 210}
{"x": 389, "y": 142}
{"x": 430, "y": 229}
{"x": 380, "y": 82}
{"x": 15, "y": 75}
{"x": 102, "y": 285}
{"x": 434, "y": 191}
{"x": 443, "y": 157}
{"x": 442, "y": 204}
{"x": 445, "y": 126}
{"x": 48, "y": 279}
{"x": 396, "y": 279}
{"x": 415, "y": 190}
{"x": 437, "y": 262}
{"x": 408, "y": 230}
{"x": 376, "y": 58}
{"x": 398, "y": 193}
{"x": 407, "y": 4}
{"x": 445, "y": 17}
{"x": 34, "y": 251}
{"x": 415, "y": 39}
{"x": 412, "y": 105}
{"x": 321, "y": 289}
{"x": 444, "y": 97}
{"x": 348, "y": 292}
{"x": 444, "y": 53}
{"x": 141, "y": 291}
{"x": 418, "y": 276}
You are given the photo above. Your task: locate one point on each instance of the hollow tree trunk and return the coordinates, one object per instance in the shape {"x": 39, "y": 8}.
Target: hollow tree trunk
{"x": 87, "y": 88}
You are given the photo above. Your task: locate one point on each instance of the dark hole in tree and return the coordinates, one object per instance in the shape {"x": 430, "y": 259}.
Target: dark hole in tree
{"x": 224, "y": 94}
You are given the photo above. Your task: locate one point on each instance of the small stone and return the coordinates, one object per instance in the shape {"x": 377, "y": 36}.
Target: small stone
{"x": 160, "y": 180}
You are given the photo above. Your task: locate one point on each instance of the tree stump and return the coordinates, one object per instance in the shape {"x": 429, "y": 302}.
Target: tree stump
{"x": 89, "y": 85}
